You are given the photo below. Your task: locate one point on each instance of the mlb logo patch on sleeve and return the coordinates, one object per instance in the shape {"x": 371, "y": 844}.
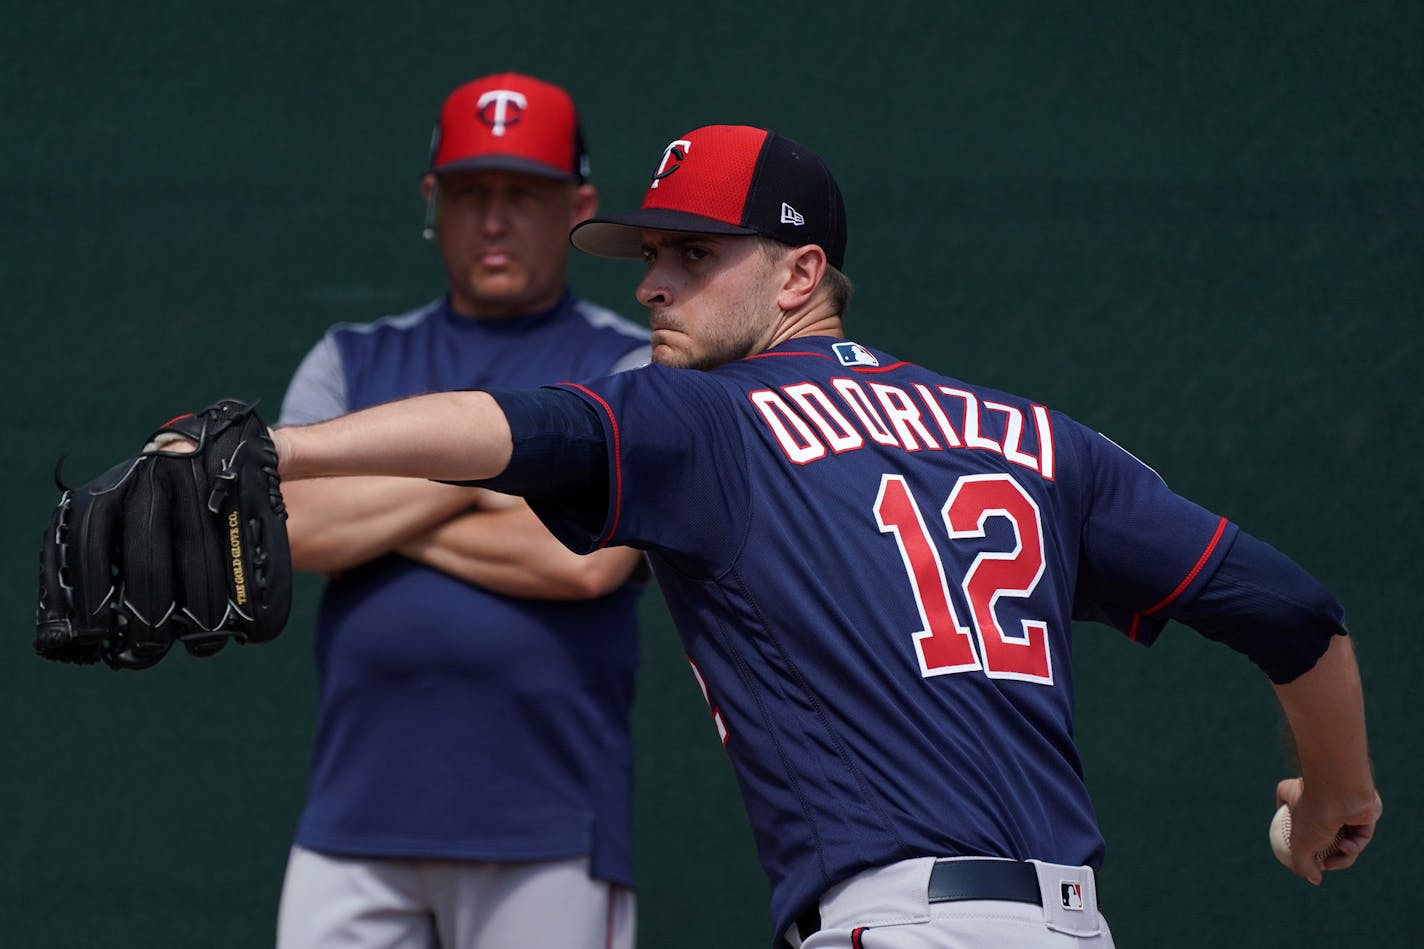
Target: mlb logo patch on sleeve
{"x": 854, "y": 354}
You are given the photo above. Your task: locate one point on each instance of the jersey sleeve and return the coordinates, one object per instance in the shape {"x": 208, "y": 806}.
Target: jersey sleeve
{"x": 675, "y": 459}
{"x": 317, "y": 391}
{"x": 1145, "y": 551}
{"x": 1268, "y": 608}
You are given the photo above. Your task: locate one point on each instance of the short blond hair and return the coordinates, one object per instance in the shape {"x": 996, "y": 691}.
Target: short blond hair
{"x": 837, "y": 285}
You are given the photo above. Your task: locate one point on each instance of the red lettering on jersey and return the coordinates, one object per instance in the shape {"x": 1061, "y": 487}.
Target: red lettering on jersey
{"x": 943, "y": 644}
{"x": 809, "y": 425}
{"x": 996, "y": 574}
{"x": 904, "y": 416}
{"x": 835, "y": 428}
{"x": 801, "y": 447}
{"x": 859, "y": 404}
{"x": 1045, "y": 442}
{"x": 972, "y": 438}
{"x": 1013, "y": 433}
{"x": 951, "y": 437}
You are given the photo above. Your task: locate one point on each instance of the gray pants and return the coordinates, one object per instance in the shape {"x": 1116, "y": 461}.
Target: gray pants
{"x": 888, "y": 908}
{"x": 334, "y": 902}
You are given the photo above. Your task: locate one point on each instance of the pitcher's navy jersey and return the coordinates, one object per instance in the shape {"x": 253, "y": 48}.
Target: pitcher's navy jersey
{"x": 874, "y": 569}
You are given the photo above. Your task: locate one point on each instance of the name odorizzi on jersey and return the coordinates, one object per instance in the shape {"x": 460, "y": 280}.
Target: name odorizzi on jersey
{"x": 811, "y": 423}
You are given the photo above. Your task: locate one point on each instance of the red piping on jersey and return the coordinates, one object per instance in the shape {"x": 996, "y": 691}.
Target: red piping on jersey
{"x": 1186, "y": 581}
{"x": 888, "y": 368}
{"x": 855, "y": 935}
{"x": 617, "y": 460}
{"x": 766, "y": 355}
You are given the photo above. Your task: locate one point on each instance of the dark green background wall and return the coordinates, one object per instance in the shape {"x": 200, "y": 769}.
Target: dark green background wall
{"x": 1196, "y": 226}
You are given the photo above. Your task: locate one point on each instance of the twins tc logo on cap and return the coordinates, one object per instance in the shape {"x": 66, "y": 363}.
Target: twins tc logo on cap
{"x": 676, "y": 152}
{"x": 494, "y": 109}
{"x": 509, "y": 122}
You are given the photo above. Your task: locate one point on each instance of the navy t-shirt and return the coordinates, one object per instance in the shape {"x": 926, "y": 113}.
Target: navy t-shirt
{"x": 455, "y": 722}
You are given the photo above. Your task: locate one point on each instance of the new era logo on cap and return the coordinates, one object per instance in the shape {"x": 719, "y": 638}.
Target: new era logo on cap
{"x": 730, "y": 179}
{"x": 510, "y": 122}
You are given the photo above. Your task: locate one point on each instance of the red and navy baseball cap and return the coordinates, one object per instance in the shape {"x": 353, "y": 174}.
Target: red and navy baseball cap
{"x": 730, "y": 179}
{"x": 510, "y": 122}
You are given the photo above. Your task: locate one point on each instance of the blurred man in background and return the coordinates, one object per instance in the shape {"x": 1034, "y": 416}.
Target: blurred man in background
{"x": 471, "y": 779}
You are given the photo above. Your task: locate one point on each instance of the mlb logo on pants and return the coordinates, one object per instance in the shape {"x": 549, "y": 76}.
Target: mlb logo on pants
{"x": 1072, "y": 894}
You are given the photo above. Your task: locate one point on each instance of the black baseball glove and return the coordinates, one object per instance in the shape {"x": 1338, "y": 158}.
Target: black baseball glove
{"x": 169, "y": 546}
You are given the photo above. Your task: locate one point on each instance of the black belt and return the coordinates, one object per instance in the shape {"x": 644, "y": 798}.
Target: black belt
{"x": 955, "y": 880}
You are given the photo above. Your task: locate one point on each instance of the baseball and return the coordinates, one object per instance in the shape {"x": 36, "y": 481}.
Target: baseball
{"x": 1280, "y": 838}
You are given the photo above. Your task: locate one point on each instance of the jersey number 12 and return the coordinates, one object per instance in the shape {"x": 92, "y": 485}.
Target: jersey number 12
{"x": 946, "y": 645}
